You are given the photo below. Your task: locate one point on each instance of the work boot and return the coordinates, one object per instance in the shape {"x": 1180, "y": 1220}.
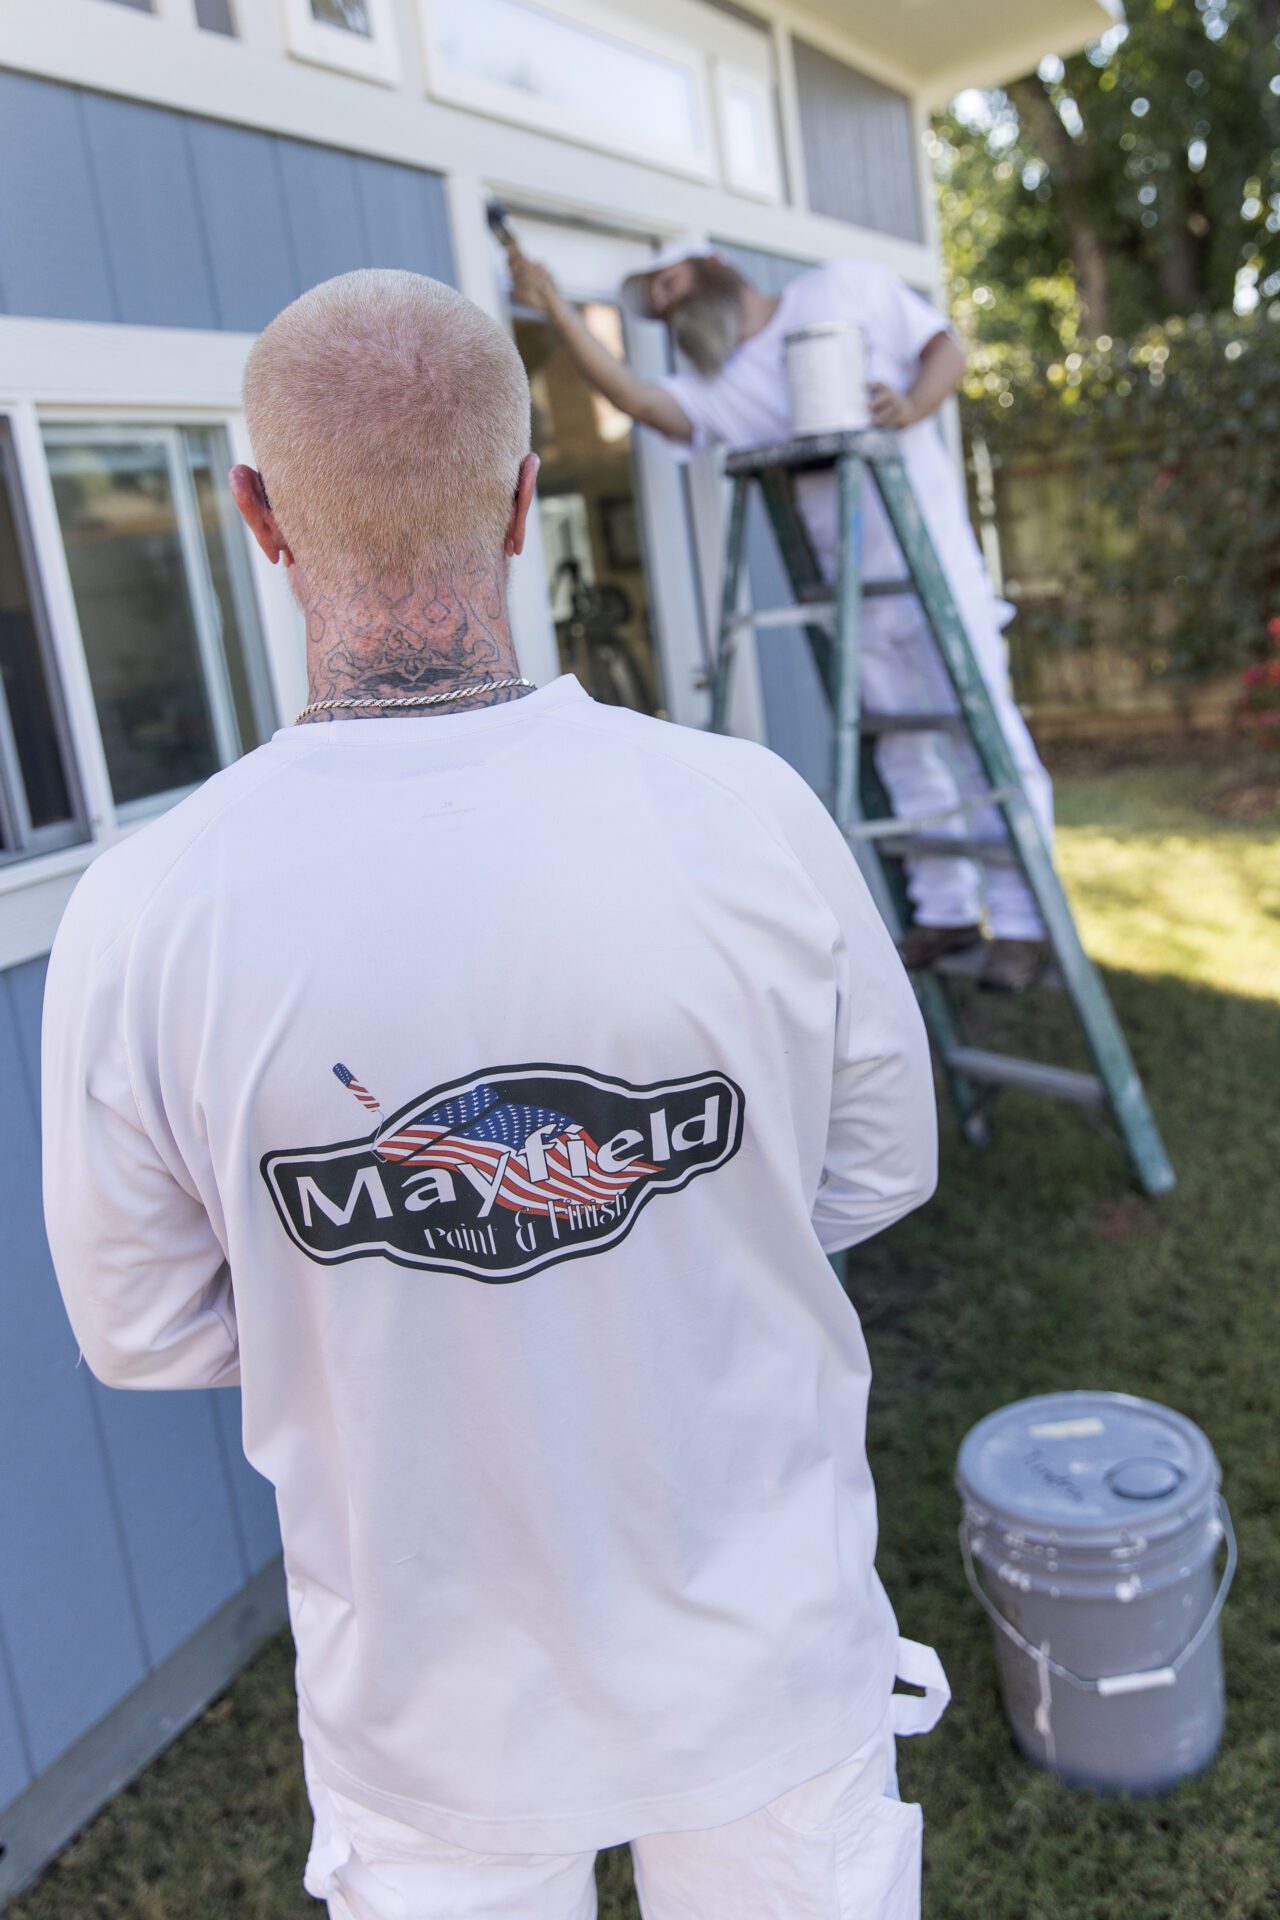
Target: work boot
{"x": 1011, "y": 966}
{"x": 923, "y": 945}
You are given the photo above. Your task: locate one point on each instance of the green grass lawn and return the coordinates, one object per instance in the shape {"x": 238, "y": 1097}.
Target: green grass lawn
{"x": 1036, "y": 1268}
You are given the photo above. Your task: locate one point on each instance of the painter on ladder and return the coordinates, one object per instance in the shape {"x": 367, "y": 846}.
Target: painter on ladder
{"x": 480, "y": 1078}
{"x": 734, "y": 392}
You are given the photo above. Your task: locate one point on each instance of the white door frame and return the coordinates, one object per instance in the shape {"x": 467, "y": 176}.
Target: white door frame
{"x": 588, "y": 262}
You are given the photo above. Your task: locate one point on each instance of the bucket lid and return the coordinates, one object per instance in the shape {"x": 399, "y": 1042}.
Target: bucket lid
{"x": 1080, "y": 1466}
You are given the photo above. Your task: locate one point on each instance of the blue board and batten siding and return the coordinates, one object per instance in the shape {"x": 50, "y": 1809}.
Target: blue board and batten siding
{"x": 128, "y": 1518}
{"x": 132, "y": 1523}
{"x": 111, "y": 210}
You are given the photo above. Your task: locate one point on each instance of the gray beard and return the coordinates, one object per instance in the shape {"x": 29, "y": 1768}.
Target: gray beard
{"x": 707, "y": 327}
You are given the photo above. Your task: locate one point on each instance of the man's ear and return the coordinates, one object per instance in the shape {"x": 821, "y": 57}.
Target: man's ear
{"x": 520, "y": 506}
{"x": 250, "y": 497}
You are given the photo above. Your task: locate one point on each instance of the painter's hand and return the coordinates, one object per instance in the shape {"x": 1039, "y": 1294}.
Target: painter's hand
{"x": 889, "y": 408}
{"x": 531, "y": 283}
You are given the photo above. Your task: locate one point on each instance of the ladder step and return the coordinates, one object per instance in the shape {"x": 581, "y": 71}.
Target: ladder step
{"x": 875, "y": 723}
{"x": 968, "y": 962}
{"x": 916, "y": 846}
{"x": 811, "y": 612}
{"x": 1027, "y": 1076}
{"x": 816, "y": 613}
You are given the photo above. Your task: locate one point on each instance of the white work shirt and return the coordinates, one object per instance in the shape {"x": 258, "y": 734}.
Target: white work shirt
{"x": 746, "y": 404}
{"x": 483, "y": 1092}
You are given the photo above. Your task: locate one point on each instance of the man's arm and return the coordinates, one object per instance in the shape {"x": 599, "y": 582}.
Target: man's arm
{"x": 644, "y": 400}
{"x": 941, "y": 370}
{"x": 143, "y": 1277}
{"x": 881, "y": 1158}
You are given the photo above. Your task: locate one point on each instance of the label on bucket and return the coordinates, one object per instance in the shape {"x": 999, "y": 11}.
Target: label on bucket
{"x": 1068, "y": 1429}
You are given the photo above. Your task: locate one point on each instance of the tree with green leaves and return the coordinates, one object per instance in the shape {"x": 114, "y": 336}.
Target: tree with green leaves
{"x": 1135, "y": 181}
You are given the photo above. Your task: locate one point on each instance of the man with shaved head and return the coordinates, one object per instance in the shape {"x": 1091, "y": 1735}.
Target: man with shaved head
{"x": 480, "y": 1078}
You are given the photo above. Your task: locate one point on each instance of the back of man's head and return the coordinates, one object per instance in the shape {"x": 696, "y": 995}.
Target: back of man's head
{"x": 389, "y": 417}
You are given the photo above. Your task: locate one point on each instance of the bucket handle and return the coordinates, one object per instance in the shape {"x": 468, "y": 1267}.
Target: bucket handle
{"x": 1113, "y": 1683}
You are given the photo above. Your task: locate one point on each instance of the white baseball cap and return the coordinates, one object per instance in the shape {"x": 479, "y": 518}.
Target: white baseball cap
{"x": 635, "y": 288}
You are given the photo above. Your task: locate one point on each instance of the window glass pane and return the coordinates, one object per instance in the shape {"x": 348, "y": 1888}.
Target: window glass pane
{"x": 592, "y": 75}
{"x": 745, "y": 132}
{"x": 209, "y": 457}
{"x": 215, "y": 16}
{"x": 351, "y": 15}
{"x": 26, "y": 685}
{"x": 115, "y": 499}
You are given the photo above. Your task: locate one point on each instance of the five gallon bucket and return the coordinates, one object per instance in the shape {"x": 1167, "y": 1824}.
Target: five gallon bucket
{"x": 1092, "y": 1523}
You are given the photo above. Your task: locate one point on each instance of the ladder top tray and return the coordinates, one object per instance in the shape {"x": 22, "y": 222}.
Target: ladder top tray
{"x": 815, "y": 450}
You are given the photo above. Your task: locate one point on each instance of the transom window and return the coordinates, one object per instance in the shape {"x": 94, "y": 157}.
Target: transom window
{"x": 574, "y": 68}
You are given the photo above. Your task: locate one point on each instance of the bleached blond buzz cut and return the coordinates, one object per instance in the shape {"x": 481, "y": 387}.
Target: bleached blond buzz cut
{"x": 389, "y": 417}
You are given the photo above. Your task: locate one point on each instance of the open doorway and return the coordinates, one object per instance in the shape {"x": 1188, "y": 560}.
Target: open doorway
{"x": 590, "y": 516}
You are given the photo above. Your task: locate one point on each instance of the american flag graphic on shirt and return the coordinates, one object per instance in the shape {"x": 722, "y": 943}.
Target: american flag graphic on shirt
{"x": 536, "y": 1153}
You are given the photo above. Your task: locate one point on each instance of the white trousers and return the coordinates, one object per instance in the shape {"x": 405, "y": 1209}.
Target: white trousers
{"x": 902, "y": 672}
{"x": 841, "y": 1846}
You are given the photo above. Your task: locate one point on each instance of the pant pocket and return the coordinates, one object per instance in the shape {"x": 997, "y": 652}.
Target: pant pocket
{"x": 879, "y": 1863}
{"x": 358, "y": 1892}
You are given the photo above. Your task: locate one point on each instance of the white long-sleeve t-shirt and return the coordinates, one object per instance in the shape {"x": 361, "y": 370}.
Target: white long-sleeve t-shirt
{"x": 483, "y": 1092}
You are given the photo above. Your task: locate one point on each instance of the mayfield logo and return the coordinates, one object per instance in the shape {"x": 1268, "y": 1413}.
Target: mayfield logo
{"x": 500, "y": 1175}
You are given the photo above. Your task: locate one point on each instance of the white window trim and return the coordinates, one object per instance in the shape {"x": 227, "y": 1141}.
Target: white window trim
{"x": 88, "y": 373}
{"x": 767, "y": 187}
{"x": 68, "y": 647}
{"x": 376, "y": 58}
{"x": 509, "y": 104}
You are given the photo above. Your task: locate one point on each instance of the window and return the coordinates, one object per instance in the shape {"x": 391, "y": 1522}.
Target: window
{"x": 574, "y": 70}
{"x": 356, "y": 36}
{"x": 38, "y": 803}
{"x": 160, "y": 577}
{"x": 748, "y": 132}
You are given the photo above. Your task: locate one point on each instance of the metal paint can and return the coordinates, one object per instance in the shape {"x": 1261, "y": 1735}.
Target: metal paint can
{"x": 826, "y": 378}
{"x": 1092, "y": 1523}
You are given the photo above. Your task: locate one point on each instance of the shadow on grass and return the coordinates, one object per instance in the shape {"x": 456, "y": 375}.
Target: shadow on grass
{"x": 1036, "y": 1268}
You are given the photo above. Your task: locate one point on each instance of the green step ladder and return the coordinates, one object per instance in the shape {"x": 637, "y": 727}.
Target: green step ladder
{"x": 974, "y": 1075}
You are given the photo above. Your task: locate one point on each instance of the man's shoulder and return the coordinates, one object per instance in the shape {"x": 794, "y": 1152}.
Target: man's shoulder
{"x": 754, "y": 776}
{"x": 121, "y": 881}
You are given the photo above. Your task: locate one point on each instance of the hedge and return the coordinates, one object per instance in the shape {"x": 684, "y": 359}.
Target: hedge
{"x": 1137, "y": 491}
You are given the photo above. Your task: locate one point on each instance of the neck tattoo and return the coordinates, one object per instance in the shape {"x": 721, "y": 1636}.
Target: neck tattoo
{"x": 440, "y": 639}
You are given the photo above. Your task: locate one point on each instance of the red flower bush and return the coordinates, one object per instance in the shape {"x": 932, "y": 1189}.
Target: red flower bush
{"x": 1256, "y": 712}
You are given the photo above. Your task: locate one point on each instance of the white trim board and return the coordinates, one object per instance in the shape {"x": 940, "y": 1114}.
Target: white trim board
{"x": 82, "y": 363}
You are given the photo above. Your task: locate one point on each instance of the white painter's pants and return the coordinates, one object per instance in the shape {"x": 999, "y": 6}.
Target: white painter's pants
{"x": 841, "y": 1846}
{"x": 902, "y": 672}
